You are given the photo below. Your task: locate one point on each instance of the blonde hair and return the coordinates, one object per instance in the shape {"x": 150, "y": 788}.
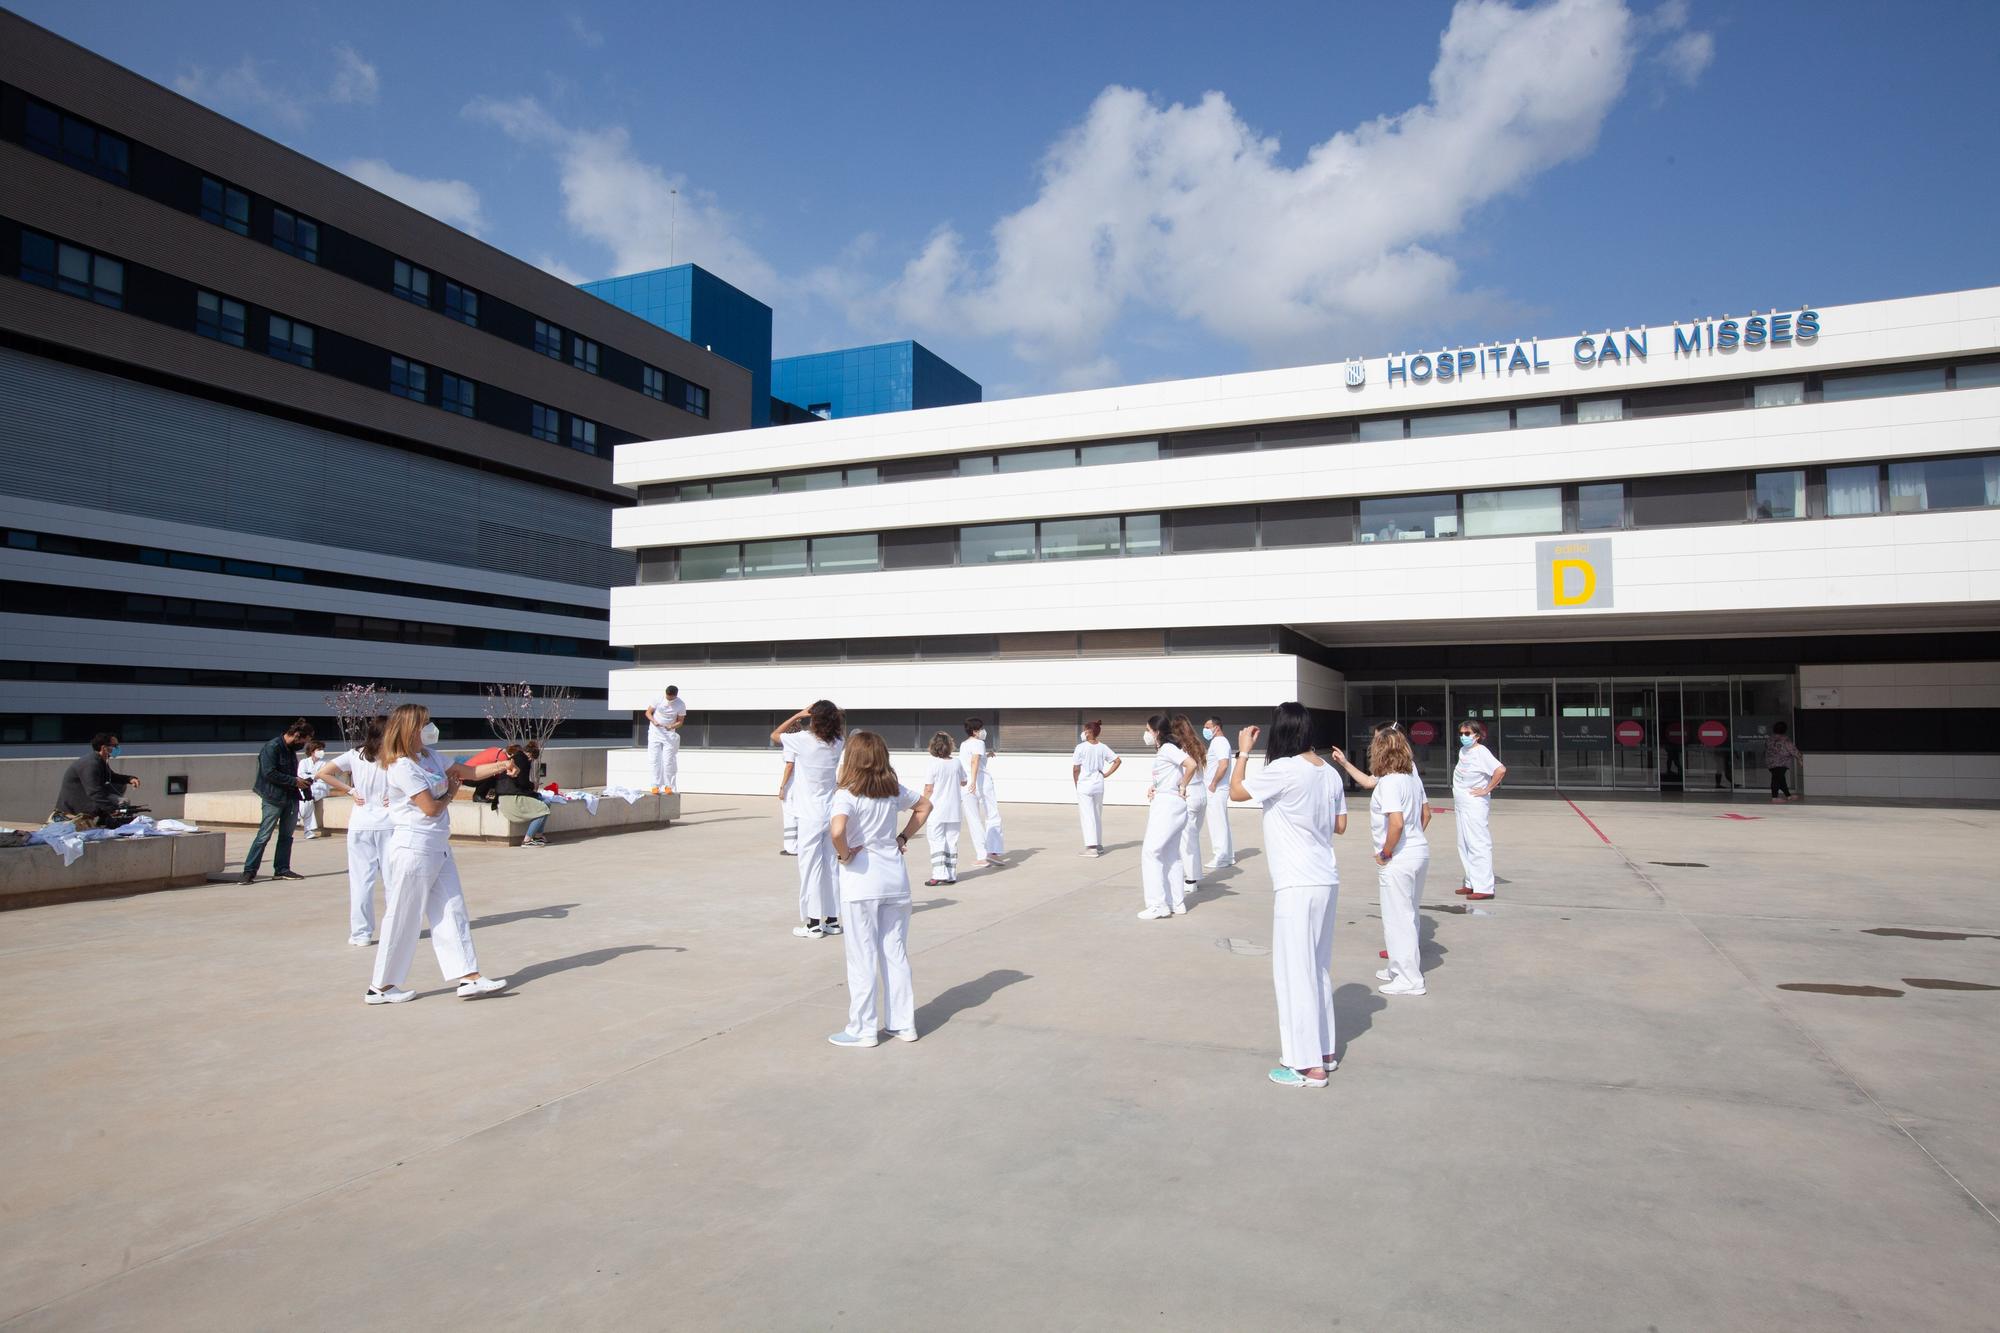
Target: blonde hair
{"x": 403, "y": 737}
{"x": 1390, "y": 752}
{"x": 941, "y": 746}
{"x": 864, "y": 766}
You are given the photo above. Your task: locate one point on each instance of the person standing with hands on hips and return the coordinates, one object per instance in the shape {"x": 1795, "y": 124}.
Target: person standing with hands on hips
{"x": 982, "y": 797}
{"x": 1221, "y": 846}
{"x": 1089, "y": 765}
{"x": 875, "y": 889}
{"x": 943, "y": 784}
{"x": 663, "y": 741}
{"x": 1398, "y": 814}
{"x": 814, "y": 755}
{"x": 1166, "y": 819}
{"x": 1474, "y": 779}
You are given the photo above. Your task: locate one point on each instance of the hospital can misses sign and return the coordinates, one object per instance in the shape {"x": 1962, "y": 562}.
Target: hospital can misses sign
{"x": 1573, "y": 575}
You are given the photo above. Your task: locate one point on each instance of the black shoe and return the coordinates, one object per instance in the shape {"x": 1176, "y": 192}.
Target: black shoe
{"x": 287, "y": 874}
{"x": 249, "y": 877}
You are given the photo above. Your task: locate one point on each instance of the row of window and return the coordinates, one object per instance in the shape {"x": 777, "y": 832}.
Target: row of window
{"x": 97, "y": 673}
{"x": 83, "y": 273}
{"x": 72, "y": 140}
{"x": 1672, "y": 400}
{"x": 1203, "y": 639}
{"x": 91, "y": 548}
{"x": 1902, "y": 486}
{"x": 175, "y": 728}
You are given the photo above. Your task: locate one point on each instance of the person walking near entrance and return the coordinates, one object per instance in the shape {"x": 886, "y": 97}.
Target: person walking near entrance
{"x": 1398, "y": 814}
{"x": 1305, "y": 808}
{"x": 1474, "y": 779}
{"x": 279, "y": 787}
{"x": 1221, "y": 845}
{"x": 1779, "y": 756}
{"x": 1089, "y": 765}
{"x": 814, "y": 754}
{"x": 1174, "y": 769}
{"x": 666, "y": 715}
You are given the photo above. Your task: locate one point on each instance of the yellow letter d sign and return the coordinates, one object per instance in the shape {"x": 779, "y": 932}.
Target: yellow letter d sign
{"x": 1573, "y": 575}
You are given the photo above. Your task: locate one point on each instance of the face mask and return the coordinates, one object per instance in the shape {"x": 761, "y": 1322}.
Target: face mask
{"x": 1083, "y": 736}
{"x": 430, "y": 733}
{"x": 1466, "y": 742}
{"x": 1150, "y": 738}
{"x": 117, "y": 750}
{"x": 980, "y": 734}
{"x": 1208, "y": 733}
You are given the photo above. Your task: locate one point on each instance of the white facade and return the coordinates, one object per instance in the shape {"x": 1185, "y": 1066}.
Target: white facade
{"x": 1818, "y": 581}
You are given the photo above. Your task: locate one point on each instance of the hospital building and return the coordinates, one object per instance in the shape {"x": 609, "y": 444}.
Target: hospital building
{"x": 1629, "y": 551}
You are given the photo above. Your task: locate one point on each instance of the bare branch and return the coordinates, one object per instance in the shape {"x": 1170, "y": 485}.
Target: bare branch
{"x": 353, "y": 705}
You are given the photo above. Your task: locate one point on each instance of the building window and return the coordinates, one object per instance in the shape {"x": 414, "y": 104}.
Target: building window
{"x": 1460, "y": 423}
{"x": 1976, "y": 374}
{"x": 225, "y": 206}
{"x": 1305, "y": 523}
{"x": 1881, "y": 383}
{"x": 996, "y": 543}
{"x": 1143, "y": 534}
{"x": 1037, "y": 460}
{"x": 1600, "y": 506}
{"x": 1536, "y": 415}
{"x": 583, "y": 355}
{"x": 78, "y": 143}
{"x": 547, "y": 424}
{"x": 699, "y": 564}
{"x": 1124, "y": 451}
{"x": 295, "y": 235}
{"x": 458, "y": 395}
{"x": 548, "y": 339}
{"x": 583, "y": 435}
{"x": 696, "y": 400}
{"x": 1944, "y": 483}
{"x": 412, "y": 283}
{"x": 1216, "y": 528}
{"x": 1782, "y": 393}
{"x": 1853, "y": 490}
{"x": 408, "y": 379}
{"x": 847, "y": 553}
{"x": 1686, "y": 500}
{"x": 289, "y": 340}
{"x": 1513, "y": 513}
{"x": 219, "y": 318}
{"x": 653, "y": 383}
{"x": 735, "y": 488}
{"x": 72, "y": 269}
{"x": 1592, "y": 410}
{"x": 462, "y": 304}
{"x": 1081, "y": 538}
{"x": 774, "y": 559}
{"x": 920, "y": 548}
{"x": 1781, "y": 495}
{"x": 1380, "y": 428}
{"x": 1408, "y": 518}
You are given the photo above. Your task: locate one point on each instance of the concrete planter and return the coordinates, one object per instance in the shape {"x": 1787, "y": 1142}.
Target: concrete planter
{"x": 36, "y": 876}
{"x": 470, "y": 820}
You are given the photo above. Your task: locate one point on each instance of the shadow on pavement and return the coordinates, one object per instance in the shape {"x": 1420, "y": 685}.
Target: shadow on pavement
{"x": 520, "y": 977}
{"x": 553, "y": 912}
{"x": 931, "y": 904}
{"x": 1354, "y": 1010}
{"x": 938, "y": 1011}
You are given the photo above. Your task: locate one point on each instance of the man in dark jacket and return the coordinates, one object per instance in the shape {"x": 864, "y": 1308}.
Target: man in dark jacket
{"x": 280, "y": 788}
{"x": 90, "y": 787}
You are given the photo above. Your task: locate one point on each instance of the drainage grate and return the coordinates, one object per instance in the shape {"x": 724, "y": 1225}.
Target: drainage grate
{"x": 1685, "y": 865}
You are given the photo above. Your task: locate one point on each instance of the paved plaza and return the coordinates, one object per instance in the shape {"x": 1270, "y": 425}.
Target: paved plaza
{"x": 1608, "y": 1113}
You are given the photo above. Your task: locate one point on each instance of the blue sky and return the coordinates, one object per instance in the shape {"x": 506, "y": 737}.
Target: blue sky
{"x": 1055, "y": 195}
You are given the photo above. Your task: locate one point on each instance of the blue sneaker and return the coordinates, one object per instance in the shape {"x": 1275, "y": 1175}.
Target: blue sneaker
{"x": 849, "y": 1039}
{"x": 1292, "y": 1078}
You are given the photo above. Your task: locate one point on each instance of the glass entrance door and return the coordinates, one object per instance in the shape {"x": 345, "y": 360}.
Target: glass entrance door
{"x": 1707, "y": 754}
{"x": 1583, "y": 734}
{"x": 1635, "y": 740}
{"x": 1525, "y": 739}
{"x": 1425, "y": 713}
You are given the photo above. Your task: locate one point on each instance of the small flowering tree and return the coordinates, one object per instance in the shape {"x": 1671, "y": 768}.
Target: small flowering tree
{"x": 517, "y": 714}
{"x": 353, "y": 705}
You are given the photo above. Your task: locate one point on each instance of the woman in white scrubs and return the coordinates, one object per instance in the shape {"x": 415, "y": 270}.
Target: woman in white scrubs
{"x": 1305, "y": 808}
{"x": 358, "y": 773}
{"x": 1474, "y": 779}
{"x": 943, "y": 779}
{"x": 1174, "y": 770}
{"x": 788, "y": 809}
{"x": 421, "y": 874}
{"x": 814, "y": 754}
{"x": 312, "y": 810}
{"x": 1221, "y": 844}
{"x": 1181, "y": 728}
{"x": 875, "y": 890}
{"x": 982, "y": 797}
{"x": 1089, "y": 765}
{"x": 1398, "y": 814}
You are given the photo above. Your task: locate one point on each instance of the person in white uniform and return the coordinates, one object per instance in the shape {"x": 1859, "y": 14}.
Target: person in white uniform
{"x": 358, "y": 773}
{"x": 421, "y": 874}
{"x": 666, "y": 715}
{"x": 1305, "y": 808}
{"x": 1474, "y": 779}
{"x": 982, "y": 797}
{"x": 312, "y": 804}
{"x": 943, "y": 781}
{"x": 1221, "y": 844}
{"x": 875, "y": 890}
{"x": 1398, "y": 814}
{"x": 1089, "y": 765}
{"x": 1166, "y": 819}
{"x": 814, "y": 754}
{"x": 1181, "y": 728}
{"x": 788, "y": 809}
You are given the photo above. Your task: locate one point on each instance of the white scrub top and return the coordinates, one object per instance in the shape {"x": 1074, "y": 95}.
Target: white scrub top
{"x": 976, "y": 748}
{"x": 878, "y": 870}
{"x": 666, "y": 710}
{"x": 371, "y": 784}
{"x": 945, "y": 777}
{"x": 1402, "y": 792}
{"x": 1091, "y": 759}
{"x": 814, "y": 763}
{"x": 1167, "y": 761}
{"x": 1219, "y": 752}
{"x": 405, "y": 778}
{"x": 1301, "y": 800}
{"x": 1475, "y": 765}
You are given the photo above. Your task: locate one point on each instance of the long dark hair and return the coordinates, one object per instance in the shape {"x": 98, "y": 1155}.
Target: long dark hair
{"x": 1289, "y": 733}
{"x": 1161, "y": 725}
{"x": 371, "y": 740}
{"x": 1184, "y": 735}
{"x": 825, "y": 720}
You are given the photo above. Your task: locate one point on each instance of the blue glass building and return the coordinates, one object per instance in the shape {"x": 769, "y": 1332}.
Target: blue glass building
{"x": 690, "y": 301}
{"x": 861, "y": 381}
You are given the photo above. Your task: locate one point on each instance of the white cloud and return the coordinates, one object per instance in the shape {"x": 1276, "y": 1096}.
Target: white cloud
{"x": 629, "y": 206}
{"x": 550, "y": 264}
{"x": 452, "y": 201}
{"x": 354, "y": 79}
{"x": 288, "y": 100}
{"x": 1149, "y": 210}
{"x": 1688, "y": 55}
{"x": 583, "y": 32}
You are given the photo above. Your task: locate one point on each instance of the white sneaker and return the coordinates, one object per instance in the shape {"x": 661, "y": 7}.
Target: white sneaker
{"x": 1155, "y": 914}
{"x": 1094, "y": 853}
{"x": 903, "y": 1034}
{"x": 831, "y": 928}
{"x": 1179, "y": 909}
{"x": 393, "y": 995}
{"x": 1400, "y": 986}
{"x": 360, "y": 941}
{"x": 808, "y": 932}
{"x": 859, "y": 1043}
{"x": 472, "y": 990}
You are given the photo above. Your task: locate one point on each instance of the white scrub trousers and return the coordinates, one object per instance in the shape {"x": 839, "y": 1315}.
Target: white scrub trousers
{"x": 1197, "y": 808}
{"x": 982, "y": 815}
{"x": 1475, "y": 839}
{"x": 789, "y": 813}
{"x": 943, "y": 839}
{"x": 1301, "y": 953}
{"x": 1160, "y": 857}
{"x": 1090, "y": 809}
{"x": 423, "y": 882}
{"x": 664, "y": 749}
{"x": 367, "y": 850}
{"x": 1402, "y": 888}
{"x": 819, "y": 889}
{"x": 1221, "y": 842}
{"x": 877, "y": 940}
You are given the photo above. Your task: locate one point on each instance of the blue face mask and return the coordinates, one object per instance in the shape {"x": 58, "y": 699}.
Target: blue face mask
{"x": 1467, "y": 742}
{"x": 117, "y": 750}
{"x": 1208, "y": 733}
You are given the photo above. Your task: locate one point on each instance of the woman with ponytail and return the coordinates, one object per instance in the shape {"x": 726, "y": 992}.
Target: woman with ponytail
{"x": 1174, "y": 770}
{"x": 1089, "y": 765}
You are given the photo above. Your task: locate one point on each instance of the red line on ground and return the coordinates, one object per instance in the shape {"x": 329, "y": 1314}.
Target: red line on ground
{"x": 1587, "y": 819}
